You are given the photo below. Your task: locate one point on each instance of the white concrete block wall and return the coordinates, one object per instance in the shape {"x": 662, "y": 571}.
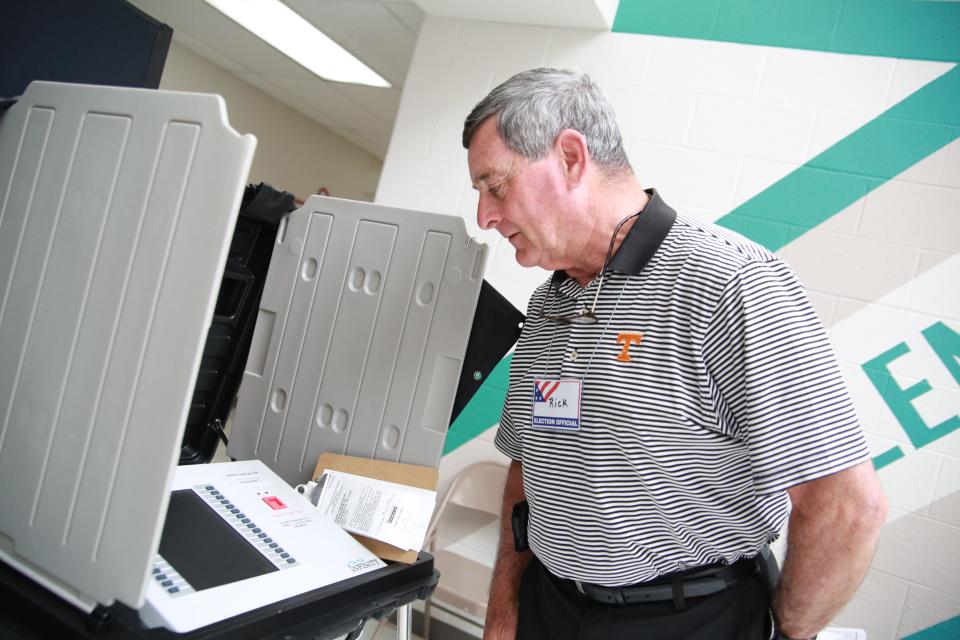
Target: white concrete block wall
{"x": 752, "y": 129}
{"x": 946, "y": 505}
{"x": 922, "y": 605}
{"x": 812, "y": 79}
{"x": 712, "y": 124}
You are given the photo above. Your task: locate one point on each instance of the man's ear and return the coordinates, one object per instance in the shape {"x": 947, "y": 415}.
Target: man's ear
{"x": 572, "y": 150}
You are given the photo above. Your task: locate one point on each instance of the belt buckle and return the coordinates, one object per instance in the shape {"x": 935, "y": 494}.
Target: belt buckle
{"x": 579, "y": 586}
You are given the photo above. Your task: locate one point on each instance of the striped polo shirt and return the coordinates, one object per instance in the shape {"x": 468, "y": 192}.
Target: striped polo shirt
{"x": 708, "y": 388}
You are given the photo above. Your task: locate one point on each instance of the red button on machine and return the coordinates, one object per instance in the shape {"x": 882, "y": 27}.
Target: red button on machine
{"x": 274, "y": 502}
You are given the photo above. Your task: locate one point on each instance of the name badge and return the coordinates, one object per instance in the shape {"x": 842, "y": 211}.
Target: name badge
{"x": 556, "y": 404}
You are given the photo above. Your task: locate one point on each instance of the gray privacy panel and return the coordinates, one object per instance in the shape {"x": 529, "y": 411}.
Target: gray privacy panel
{"x": 363, "y": 326}
{"x": 116, "y": 211}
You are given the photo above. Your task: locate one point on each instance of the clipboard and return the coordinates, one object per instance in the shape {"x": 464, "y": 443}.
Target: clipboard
{"x": 409, "y": 474}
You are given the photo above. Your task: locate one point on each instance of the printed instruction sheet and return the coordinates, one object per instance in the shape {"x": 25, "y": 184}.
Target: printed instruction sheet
{"x": 393, "y": 513}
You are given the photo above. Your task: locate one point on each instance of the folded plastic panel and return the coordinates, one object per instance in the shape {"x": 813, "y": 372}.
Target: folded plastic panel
{"x": 363, "y": 326}
{"x": 116, "y": 212}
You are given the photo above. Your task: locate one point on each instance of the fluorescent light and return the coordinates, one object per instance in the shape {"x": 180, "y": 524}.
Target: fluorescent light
{"x": 287, "y": 31}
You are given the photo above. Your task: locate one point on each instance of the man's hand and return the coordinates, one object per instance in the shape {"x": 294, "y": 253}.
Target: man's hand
{"x": 833, "y": 531}
{"x": 501, "y": 622}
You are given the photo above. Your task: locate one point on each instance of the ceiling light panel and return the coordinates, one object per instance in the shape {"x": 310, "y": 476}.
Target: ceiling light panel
{"x": 288, "y": 32}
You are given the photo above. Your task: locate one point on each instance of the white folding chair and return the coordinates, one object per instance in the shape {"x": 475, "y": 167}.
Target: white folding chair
{"x": 474, "y": 500}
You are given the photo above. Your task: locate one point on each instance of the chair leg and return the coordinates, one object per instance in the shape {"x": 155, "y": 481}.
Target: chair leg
{"x": 427, "y": 606}
{"x": 376, "y": 633}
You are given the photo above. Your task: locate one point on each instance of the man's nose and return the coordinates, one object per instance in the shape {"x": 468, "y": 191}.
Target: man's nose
{"x": 488, "y": 214}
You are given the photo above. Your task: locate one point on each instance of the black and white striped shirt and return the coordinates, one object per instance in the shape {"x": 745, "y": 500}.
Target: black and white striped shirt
{"x": 684, "y": 450}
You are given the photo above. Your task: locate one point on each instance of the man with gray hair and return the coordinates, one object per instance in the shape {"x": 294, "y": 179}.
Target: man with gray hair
{"x": 671, "y": 388}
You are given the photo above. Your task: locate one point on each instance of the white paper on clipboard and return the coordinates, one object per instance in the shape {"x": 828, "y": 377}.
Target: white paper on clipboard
{"x": 393, "y": 513}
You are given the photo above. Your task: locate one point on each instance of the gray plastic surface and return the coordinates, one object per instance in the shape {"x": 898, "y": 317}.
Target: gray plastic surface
{"x": 117, "y": 208}
{"x": 363, "y": 326}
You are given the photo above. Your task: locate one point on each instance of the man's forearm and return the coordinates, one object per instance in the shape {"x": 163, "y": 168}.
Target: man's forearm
{"x": 831, "y": 539}
{"x": 509, "y": 566}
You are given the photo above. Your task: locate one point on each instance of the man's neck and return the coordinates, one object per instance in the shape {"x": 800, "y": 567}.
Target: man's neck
{"x": 616, "y": 199}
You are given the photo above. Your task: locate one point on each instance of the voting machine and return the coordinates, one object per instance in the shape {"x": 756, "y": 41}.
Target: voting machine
{"x": 123, "y": 279}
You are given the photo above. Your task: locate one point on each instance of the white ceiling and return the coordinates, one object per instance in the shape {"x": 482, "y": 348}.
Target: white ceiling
{"x": 381, "y": 33}
{"x": 581, "y": 14}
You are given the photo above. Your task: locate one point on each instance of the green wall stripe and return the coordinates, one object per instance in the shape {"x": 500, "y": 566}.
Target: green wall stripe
{"x": 892, "y": 28}
{"x": 906, "y": 133}
{"x": 887, "y": 457}
{"x": 946, "y": 630}
{"x": 483, "y": 409}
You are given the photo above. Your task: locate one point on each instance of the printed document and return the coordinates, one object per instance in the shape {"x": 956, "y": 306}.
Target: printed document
{"x": 393, "y": 513}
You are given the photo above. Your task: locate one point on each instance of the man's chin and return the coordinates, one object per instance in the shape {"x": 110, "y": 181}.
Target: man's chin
{"x": 523, "y": 259}
{"x": 525, "y": 255}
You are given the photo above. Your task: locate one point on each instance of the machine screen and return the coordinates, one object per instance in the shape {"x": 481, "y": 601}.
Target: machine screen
{"x": 205, "y": 549}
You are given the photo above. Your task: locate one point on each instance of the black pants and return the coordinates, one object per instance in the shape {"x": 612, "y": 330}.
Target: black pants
{"x": 553, "y": 609}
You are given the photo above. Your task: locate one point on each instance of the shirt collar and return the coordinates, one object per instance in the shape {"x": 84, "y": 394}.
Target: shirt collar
{"x": 645, "y": 236}
{"x": 642, "y": 241}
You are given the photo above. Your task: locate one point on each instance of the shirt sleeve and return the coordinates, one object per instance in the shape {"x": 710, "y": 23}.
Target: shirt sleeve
{"x": 507, "y": 440}
{"x": 776, "y": 382}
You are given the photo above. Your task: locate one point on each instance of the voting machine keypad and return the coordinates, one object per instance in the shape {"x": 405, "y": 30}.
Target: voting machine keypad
{"x": 246, "y": 526}
{"x": 169, "y": 578}
{"x": 222, "y": 544}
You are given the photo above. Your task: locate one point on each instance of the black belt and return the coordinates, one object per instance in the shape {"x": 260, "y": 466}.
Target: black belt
{"x": 692, "y": 583}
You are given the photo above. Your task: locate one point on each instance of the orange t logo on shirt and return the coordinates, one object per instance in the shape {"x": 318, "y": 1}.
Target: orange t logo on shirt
{"x": 627, "y": 339}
